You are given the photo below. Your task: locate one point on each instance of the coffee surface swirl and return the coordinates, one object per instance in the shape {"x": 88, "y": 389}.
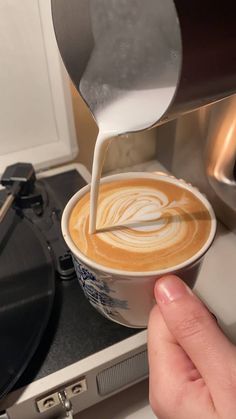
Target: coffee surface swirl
{"x": 142, "y": 225}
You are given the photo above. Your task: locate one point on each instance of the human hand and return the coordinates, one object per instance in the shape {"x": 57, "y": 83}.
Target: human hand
{"x": 192, "y": 363}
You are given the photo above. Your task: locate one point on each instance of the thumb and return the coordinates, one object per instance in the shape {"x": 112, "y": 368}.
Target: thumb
{"x": 195, "y": 330}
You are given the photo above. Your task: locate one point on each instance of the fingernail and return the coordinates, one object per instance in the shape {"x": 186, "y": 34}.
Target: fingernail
{"x": 171, "y": 289}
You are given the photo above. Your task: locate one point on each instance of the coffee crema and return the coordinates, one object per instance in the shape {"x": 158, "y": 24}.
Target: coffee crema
{"x": 143, "y": 225}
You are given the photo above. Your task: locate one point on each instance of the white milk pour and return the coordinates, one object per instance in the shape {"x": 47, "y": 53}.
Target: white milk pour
{"x": 132, "y": 73}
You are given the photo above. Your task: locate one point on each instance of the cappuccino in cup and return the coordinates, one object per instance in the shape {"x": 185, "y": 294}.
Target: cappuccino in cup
{"x": 148, "y": 225}
{"x": 142, "y": 225}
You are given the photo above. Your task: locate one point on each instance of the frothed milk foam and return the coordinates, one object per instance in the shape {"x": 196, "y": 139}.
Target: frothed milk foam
{"x": 132, "y": 73}
{"x": 143, "y": 225}
{"x": 129, "y": 92}
{"x": 111, "y": 125}
{"x": 148, "y": 222}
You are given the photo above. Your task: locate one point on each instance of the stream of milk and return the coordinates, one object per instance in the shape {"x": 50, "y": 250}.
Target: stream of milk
{"x": 132, "y": 71}
{"x": 119, "y": 117}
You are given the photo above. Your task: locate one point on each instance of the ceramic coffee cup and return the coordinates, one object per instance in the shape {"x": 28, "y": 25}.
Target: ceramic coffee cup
{"x": 127, "y": 297}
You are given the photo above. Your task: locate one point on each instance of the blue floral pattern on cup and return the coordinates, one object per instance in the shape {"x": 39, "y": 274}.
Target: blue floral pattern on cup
{"x": 98, "y": 291}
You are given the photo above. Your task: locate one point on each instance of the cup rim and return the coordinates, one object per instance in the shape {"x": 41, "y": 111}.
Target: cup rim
{"x": 135, "y": 175}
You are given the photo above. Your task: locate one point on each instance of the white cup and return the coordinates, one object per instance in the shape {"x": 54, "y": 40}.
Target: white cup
{"x": 128, "y": 297}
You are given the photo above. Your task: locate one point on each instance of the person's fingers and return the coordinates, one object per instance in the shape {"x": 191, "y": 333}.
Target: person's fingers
{"x": 171, "y": 370}
{"x": 166, "y": 355}
{"x": 196, "y": 331}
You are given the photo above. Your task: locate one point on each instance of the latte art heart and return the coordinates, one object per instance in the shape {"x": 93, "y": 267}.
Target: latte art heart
{"x": 142, "y": 225}
{"x": 140, "y": 219}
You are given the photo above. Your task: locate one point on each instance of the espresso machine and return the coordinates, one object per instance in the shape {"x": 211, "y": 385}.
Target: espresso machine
{"x": 77, "y": 366}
